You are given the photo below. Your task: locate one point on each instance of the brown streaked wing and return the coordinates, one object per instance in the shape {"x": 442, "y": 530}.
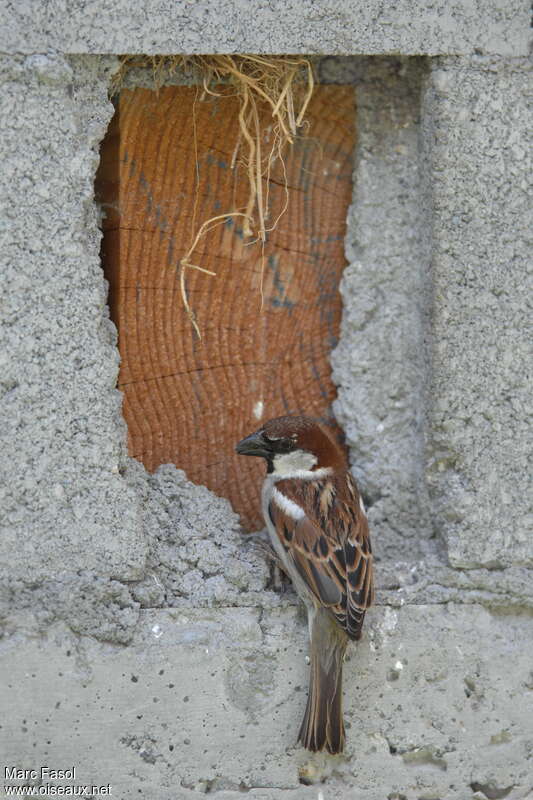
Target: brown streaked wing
{"x": 359, "y": 570}
{"x": 307, "y": 548}
{"x": 330, "y": 546}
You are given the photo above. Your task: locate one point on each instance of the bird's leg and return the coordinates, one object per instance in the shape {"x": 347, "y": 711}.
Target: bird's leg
{"x": 279, "y": 579}
{"x": 260, "y": 541}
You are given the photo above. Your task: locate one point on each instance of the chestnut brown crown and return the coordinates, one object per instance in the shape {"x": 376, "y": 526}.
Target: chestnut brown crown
{"x": 292, "y": 433}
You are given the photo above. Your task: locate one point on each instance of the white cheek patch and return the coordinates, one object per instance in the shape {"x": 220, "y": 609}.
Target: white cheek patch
{"x": 297, "y": 461}
{"x": 288, "y": 506}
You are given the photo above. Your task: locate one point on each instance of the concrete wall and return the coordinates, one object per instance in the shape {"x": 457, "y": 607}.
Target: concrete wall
{"x": 142, "y": 641}
{"x": 407, "y": 27}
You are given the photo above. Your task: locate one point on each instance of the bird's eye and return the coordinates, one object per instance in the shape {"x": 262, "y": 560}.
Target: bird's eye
{"x": 286, "y": 444}
{"x": 274, "y": 438}
{"x": 281, "y": 444}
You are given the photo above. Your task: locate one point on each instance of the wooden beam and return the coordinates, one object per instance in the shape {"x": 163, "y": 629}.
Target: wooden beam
{"x": 187, "y": 401}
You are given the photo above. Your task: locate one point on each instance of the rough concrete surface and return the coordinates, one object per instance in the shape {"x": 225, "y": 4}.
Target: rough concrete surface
{"x": 381, "y": 363}
{"x": 205, "y": 701}
{"x": 477, "y": 125}
{"x": 197, "y": 553}
{"x": 143, "y": 642}
{"x": 68, "y": 516}
{"x": 278, "y": 26}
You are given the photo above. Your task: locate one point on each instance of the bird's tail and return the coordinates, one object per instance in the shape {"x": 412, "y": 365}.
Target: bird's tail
{"x": 323, "y": 725}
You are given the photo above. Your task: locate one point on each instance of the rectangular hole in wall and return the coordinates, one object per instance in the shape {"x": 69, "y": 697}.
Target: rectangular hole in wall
{"x": 166, "y": 166}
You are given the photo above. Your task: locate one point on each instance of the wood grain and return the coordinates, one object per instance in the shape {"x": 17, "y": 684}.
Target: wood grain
{"x": 188, "y": 402}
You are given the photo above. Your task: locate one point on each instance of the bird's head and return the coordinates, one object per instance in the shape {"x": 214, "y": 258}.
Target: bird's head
{"x": 293, "y": 446}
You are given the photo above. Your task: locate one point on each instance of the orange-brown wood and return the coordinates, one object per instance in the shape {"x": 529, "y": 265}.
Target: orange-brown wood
{"x": 186, "y": 401}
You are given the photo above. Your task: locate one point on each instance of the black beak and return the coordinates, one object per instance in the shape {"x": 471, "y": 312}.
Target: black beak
{"x": 254, "y": 445}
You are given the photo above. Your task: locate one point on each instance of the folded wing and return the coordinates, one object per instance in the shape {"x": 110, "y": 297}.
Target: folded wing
{"x": 329, "y": 545}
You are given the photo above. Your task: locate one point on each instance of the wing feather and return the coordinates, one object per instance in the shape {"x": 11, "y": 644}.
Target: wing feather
{"x": 329, "y": 546}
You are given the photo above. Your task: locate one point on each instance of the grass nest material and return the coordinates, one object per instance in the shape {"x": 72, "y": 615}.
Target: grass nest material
{"x": 273, "y": 92}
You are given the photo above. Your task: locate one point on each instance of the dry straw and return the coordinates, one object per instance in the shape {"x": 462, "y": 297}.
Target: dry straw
{"x": 273, "y": 92}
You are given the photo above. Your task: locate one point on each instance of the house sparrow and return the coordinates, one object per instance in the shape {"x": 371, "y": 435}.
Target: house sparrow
{"x": 318, "y": 528}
